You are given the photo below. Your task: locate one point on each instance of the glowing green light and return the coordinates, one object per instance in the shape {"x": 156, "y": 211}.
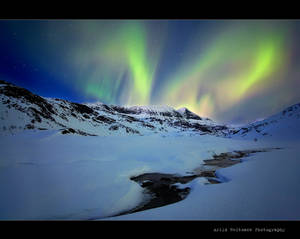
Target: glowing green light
{"x": 263, "y": 66}
{"x": 227, "y": 71}
{"x": 136, "y": 45}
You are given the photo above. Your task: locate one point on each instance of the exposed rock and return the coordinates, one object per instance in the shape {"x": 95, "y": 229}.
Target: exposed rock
{"x": 82, "y": 108}
{"x": 105, "y": 119}
{"x": 114, "y": 127}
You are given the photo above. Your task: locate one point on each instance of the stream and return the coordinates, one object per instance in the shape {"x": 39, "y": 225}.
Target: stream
{"x": 161, "y": 186}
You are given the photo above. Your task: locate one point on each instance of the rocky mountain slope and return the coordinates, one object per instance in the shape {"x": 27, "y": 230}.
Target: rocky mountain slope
{"x": 22, "y": 110}
{"x": 285, "y": 124}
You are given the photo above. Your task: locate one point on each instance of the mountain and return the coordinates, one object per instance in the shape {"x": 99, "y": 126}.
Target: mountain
{"x": 21, "y": 110}
{"x": 285, "y": 124}
{"x": 188, "y": 114}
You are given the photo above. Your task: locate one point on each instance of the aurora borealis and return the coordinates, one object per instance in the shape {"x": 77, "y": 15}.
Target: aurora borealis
{"x": 233, "y": 71}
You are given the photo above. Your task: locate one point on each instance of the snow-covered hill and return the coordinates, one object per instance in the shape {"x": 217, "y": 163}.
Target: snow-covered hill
{"x": 49, "y": 171}
{"x": 283, "y": 125}
{"x": 22, "y": 110}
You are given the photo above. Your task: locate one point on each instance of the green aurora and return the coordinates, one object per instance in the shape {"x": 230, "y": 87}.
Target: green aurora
{"x": 228, "y": 70}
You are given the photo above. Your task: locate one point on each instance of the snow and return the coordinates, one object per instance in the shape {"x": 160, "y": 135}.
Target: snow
{"x": 82, "y": 179}
{"x": 94, "y": 104}
{"x": 152, "y": 108}
{"x": 264, "y": 187}
{"x": 46, "y": 175}
{"x": 18, "y": 114}
{"x": 281, "y": 126}
{"x": 182, "y": 110}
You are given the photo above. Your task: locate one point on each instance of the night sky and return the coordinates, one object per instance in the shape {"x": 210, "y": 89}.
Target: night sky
{"x": 232, "y": 71}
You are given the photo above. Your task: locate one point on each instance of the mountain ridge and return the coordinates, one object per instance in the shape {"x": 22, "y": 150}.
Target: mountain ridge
{"x": 22, "y": 110}
{"x": 283, "y": 124}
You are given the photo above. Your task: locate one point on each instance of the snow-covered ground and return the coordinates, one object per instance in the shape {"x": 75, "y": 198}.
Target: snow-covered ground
{"x": 264, "y": 187}
{"x": 47, "y": 175}
{"x": 51, "y": 167}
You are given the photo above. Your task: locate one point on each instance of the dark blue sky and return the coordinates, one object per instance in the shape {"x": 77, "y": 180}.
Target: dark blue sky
{"x": 231, "y": 71}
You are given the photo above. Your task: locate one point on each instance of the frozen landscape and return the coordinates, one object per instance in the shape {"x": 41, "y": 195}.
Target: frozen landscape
{"x": 67, "y": 161}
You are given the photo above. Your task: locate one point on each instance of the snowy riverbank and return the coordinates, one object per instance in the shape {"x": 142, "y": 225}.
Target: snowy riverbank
{"x": 52, "y": 176}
